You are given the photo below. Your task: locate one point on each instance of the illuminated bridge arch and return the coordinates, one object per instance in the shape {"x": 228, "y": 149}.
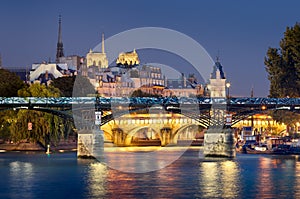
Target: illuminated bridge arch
{"x": 133, "y": 132}
{"x": 176, "y": 134}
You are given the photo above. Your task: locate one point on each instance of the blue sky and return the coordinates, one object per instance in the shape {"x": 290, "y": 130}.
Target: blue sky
{"x": 239, "y": 31}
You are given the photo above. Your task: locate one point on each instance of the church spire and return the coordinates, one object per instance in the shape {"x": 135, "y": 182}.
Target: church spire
{"x": 60, "y": 46}
{"x": 103, "y": 51}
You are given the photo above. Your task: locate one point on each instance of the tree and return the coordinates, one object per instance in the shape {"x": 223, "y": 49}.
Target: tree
{"x": 283, "y": 65}
{"x": 39, "y": 90}
{"x": 46, "y": 127}
{"x": 283, "y": 68}
{"x": 65, "y": 85}
{"x": 140, "y": 93}
{"x": 10, "y": 83}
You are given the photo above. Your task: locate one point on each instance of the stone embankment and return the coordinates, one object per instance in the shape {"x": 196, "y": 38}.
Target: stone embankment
{"x": 25, "y": 146}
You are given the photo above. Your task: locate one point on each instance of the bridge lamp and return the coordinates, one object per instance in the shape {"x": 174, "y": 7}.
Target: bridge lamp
{"x": 263, "y": 107}
{"x": 97, "y": 86}
{"x": 227, "y": 86}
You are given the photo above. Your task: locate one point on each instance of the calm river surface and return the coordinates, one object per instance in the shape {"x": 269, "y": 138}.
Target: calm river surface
{"x": 61, "y": 175}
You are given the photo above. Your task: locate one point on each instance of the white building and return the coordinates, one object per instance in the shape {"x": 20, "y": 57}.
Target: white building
{"x": 217, "y": 82}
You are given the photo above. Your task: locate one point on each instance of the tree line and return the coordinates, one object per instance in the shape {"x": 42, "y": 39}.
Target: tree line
{"x": 45, "y": 128}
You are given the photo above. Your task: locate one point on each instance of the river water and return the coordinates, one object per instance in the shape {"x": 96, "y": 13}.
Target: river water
{"x": 62, "y": 175}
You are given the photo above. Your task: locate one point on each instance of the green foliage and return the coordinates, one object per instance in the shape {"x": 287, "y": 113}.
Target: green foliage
{"x": 5, "y": 121}
{"x": 10, "y": 83}
{"x": 283, "y": 65}
{"x": 286, "y": 117}
{"x": 65, "y": 85}
{"x": 140, "y": 93}
{"x": 39, "y": 90}
{"x": 46, "y": 128}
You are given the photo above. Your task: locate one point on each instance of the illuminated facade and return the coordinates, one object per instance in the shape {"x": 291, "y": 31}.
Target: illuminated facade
{"x": 217, "y": 82}
{"x": 263, "y": 125}
{"x": 97, "y": 59}
{"x": 128, "y": 58}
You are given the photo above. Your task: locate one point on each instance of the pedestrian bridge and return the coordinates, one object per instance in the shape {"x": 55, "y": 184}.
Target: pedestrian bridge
{"x": 127, "y": 121}
{"x": 114, "y": 107}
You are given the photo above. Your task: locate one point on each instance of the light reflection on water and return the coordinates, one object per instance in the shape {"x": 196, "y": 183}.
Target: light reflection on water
{"x": 191, "y": 176}
{"x": 141, "y": 159}
{"x": 219, "y": 178}
{"x": 97, "y": 180}
{"x": 21, "y": 173}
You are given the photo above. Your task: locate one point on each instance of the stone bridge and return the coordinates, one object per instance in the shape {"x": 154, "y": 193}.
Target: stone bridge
{"x": 156, "y": 129}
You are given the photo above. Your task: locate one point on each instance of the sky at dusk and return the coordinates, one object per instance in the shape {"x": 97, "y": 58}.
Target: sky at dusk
{"x": 240, "y": 32}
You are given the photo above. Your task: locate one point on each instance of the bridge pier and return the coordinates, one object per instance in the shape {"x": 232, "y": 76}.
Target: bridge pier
{"x": 119, "y": 137}
{"x": 90, "y": 144}
{"x": 219, "y": 142}
{"x": 165, "y": 136}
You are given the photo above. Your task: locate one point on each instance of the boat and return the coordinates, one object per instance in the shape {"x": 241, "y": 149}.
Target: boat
{"x": 257, "y": 150}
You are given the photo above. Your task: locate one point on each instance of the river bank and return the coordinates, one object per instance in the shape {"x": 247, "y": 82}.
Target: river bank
{"x": 26, "y": 146}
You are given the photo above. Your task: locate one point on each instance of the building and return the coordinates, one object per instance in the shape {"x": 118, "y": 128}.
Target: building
{"x": 128, "y": 59}
{"x": 110, "y": 82}
{"x": 45, "y": 72}
{"x": 74, "y": 62}
{"x": 217, "y": 82}
{"x": 97, "y": 59}
{"x": 64, "y": 65}
{"x": 184, "y": 87}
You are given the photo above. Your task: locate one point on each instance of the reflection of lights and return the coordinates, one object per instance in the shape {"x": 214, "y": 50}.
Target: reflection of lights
{"x": 22, "y": 172}
{"x": 229, "y": 175}
{"x": 210, "y": 179}
{"x": 219, "y": 179}
{"x": 97, "y": 180}
{"x": 297, "y": 181}
{"x": 265, "y": 182}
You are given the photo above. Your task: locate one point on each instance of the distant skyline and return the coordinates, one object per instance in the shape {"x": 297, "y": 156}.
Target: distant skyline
{"x": 240, "y": 32}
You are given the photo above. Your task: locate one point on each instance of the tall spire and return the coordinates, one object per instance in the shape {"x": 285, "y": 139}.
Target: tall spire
{"x": 60, "y": 46}
{"x": 59, "y": 30}
{"x": 103, "y": 51}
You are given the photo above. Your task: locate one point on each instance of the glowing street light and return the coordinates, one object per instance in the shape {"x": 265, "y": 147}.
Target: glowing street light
{"x": 227, "y": 86}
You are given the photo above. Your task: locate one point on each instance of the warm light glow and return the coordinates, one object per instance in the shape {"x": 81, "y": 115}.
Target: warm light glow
{"x": 227, "y": 84}
{"x": 263, "y": 107}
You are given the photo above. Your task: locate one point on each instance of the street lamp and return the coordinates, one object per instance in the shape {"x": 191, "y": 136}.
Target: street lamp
{"x": 227, "y": 86}
{"x": 97, "y": 87}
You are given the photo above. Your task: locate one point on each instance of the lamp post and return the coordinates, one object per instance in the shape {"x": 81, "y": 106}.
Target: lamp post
{"x": 227, "y": 86}
{"x": 97, "y": 87}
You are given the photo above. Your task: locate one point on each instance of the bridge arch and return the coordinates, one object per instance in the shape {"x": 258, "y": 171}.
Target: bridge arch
{"x": 154, "y": 135}
{"x": 189, "y": 135}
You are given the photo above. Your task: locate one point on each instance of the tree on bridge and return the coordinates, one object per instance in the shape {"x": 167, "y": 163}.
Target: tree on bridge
{"x": 283, "y": 68}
